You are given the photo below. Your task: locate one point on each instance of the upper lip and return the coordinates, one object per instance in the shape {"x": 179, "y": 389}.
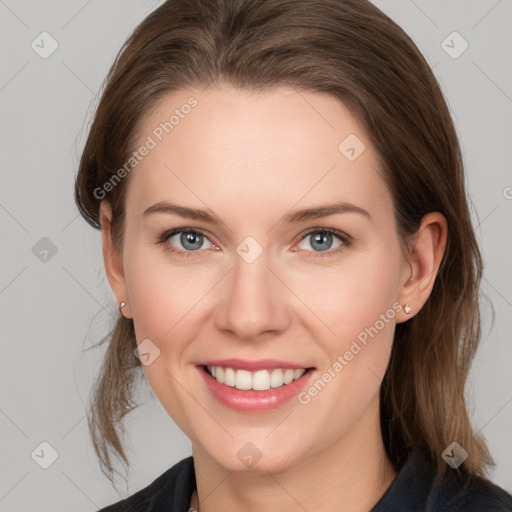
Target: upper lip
{"x": 260, "y": 364}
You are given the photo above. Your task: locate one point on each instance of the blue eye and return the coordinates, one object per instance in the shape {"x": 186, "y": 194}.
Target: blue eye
{"x": 322, "y": 241}
{"x": 192, "y": 240}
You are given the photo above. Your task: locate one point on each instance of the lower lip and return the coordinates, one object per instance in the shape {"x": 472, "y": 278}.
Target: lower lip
{"x": 251, "y": 400}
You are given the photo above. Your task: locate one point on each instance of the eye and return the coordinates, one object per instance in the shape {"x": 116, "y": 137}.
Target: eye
{"x": 190, "y": 240}
{"x": 321, "y": 239}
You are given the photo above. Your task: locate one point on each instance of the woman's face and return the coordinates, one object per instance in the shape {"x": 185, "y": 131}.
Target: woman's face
{"x": 262, "y": 283}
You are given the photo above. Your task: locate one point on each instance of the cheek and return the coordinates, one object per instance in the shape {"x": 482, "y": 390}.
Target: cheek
{"x": 161, "y": 294}
{"x": 167, "y": 300}
{"x": 354, "y": 294}
{"x": 359, "y": 310}
{"x": 162, "y": 299}
{"x": 358, "y": 304}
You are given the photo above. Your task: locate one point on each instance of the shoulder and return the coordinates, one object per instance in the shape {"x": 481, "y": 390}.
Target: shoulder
{"x": 470, "y": 494}
{"x": 171, "y": 491}
{"x": 417, "y": 487}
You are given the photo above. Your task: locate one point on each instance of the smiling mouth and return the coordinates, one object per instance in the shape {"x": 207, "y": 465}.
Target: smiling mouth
{"x": 260, "y": 380}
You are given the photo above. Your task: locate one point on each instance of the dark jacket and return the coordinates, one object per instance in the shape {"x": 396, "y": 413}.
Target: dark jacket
{"x": 414, "y": 489}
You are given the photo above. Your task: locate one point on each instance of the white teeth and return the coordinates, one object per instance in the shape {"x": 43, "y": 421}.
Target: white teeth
{"x": 261, "y": 380}
{"x": 243, "y": 379}
{"x": 229, "y": 377}
{"x": 276, "y": 378}
{"x": 288, "y": 376}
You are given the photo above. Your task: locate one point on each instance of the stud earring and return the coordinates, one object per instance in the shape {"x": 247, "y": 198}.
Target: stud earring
{"x": 121, "y": 306}
{"x": 407, "y": 309}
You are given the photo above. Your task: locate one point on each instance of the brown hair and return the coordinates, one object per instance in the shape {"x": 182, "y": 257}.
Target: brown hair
{"x": 351, "y": 50}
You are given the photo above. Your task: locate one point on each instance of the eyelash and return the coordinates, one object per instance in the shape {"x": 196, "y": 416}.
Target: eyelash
{"x": 347, "y": 241}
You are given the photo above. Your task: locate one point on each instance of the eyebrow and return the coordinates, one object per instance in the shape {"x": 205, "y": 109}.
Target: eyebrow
{"x": 293, "y": 217}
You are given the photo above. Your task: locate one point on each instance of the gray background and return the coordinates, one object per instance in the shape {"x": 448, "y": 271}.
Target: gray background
{"x": 55, "y": 304}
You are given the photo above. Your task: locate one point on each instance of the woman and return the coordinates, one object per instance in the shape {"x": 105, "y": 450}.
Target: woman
{"x": 280, "y": 193}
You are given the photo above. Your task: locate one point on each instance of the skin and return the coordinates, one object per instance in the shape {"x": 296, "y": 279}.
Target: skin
{"x": 251, "y": 158}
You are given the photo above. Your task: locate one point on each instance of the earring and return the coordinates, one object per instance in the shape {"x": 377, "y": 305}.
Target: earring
{"x": 407, "y": 309}
{"x": 121, "y": 306}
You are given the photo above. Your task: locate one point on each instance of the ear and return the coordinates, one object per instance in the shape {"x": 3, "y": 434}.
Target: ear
{"x": 420, "y": 271}
{"x": 113, "y": 259}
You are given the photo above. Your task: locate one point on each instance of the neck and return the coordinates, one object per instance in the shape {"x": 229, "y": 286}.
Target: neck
{"x": 351, "y": 475}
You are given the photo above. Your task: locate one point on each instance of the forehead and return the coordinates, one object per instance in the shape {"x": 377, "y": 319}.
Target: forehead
{"x": 257, "y": 150}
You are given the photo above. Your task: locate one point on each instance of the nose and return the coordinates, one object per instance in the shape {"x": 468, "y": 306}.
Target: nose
{"x": 254, "y": 302}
